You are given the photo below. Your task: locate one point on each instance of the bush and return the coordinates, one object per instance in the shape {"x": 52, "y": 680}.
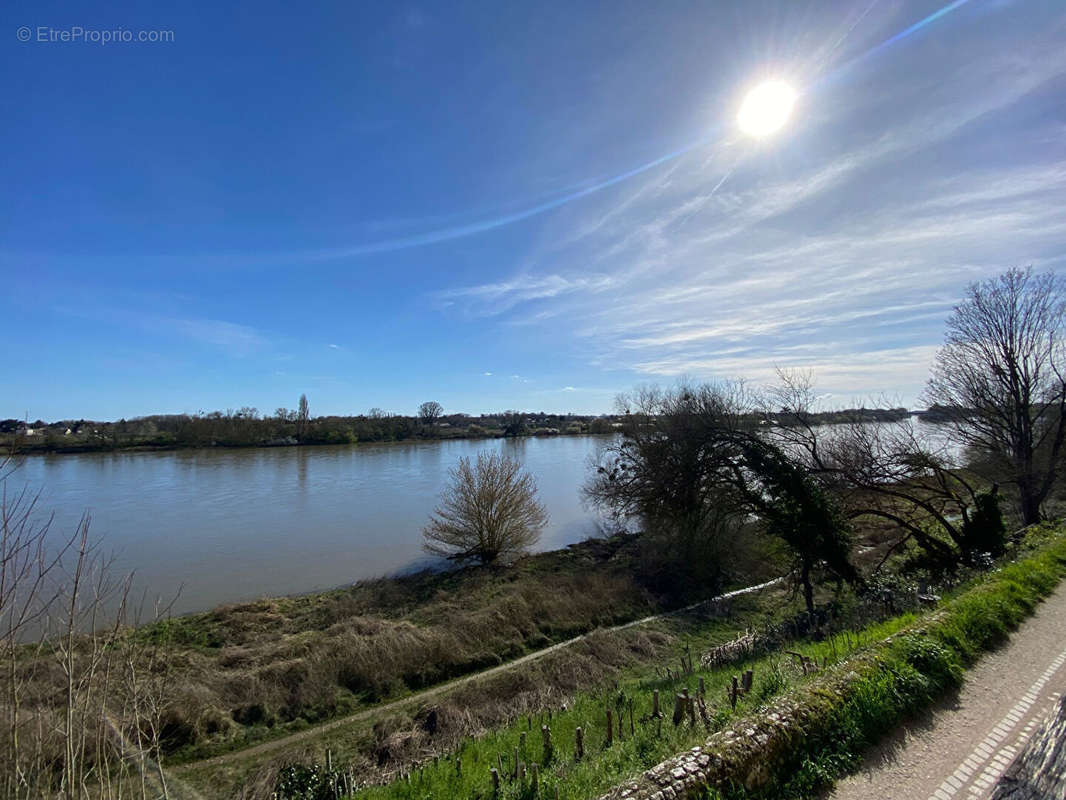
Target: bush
{"x": 490, "y": 512}
{"x": 984, "y": 531}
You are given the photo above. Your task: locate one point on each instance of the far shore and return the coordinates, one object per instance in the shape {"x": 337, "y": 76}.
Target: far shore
{"x": 246, "y": 429}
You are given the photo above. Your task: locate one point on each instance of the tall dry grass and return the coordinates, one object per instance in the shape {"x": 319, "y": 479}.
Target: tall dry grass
{"x": 83, "y": 704}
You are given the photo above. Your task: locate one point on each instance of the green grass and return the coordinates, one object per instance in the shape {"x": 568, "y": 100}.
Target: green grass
{"x": 927, "y": 659}
{"x": 647, "y": 744}
{"x": 924, "y": 656}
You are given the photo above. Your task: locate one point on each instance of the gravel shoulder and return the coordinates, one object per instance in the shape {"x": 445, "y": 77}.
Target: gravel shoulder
{"x": 960, "y": 747}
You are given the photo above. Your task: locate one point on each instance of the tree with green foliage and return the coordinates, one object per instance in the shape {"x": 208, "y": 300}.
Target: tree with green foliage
{"x": 303, "y": 417}
{"x": 514, "y": 423}
{"x": 695, "y": 469}
{"x": 796, "y": 509}
{"x": 983, "y": 531}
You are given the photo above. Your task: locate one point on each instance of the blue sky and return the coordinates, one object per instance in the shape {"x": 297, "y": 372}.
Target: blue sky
{"x": 509, "y": 205}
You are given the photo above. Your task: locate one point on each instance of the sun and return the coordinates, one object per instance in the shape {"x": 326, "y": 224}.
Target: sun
{"x": 766, "y": 108}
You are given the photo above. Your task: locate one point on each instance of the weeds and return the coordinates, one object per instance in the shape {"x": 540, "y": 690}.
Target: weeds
{"x": 894, "y": 668}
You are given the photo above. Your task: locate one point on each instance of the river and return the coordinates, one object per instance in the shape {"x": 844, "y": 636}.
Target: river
{"x": 220, "y": 526}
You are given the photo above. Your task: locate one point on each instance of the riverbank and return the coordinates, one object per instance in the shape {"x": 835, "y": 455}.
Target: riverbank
{"x": 418, "y": 730}
{"x": 257, "y": 670}
{"x": 814, "y": 703}
{"x": 246, "y": 429}
{"x": 228, "y": 525}
{"x": 55, "y": 445}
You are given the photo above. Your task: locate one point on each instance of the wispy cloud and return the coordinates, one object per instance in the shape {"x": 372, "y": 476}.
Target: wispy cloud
{"x": 846, "y": 256}
{"x": 495, "y": 298}
{"x": 232, "y": 338}
{"x": 235, "y": 339}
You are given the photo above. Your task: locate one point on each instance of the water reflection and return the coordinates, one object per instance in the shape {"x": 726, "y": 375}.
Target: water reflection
{"x": 229, "y": 525}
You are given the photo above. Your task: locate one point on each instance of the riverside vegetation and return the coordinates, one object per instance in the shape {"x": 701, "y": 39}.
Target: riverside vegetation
{"x": 209, "y": 683}
{"x": 727, "y": 487}
{"x": 247, "y": 427}
{"x": 815, "y": 702}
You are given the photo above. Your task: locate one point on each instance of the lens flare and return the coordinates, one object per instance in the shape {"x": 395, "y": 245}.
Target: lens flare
{"x": 766, "y": 108}
{"x": 448, "y": 234}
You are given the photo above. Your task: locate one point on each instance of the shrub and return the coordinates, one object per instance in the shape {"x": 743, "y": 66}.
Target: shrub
{"x": 490, "y": 512}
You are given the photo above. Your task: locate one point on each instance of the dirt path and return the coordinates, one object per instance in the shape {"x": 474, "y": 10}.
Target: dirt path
{"x": 959, "y": 748}
{"x": 424, "y": 695}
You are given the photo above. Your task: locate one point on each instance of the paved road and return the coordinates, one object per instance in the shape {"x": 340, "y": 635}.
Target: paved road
{"x": 959, "y": 749}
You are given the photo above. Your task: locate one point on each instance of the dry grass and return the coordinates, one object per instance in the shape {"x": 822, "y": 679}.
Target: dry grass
{"x": 396, "y": 740}
{"x": 242, "y": 672}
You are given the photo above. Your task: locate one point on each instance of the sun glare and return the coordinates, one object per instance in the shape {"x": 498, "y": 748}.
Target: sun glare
{"x": 766, "y": 108}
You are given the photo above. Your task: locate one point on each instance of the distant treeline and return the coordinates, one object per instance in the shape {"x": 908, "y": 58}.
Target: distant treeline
{"x": 248, "y": 428}
{"x": 847, "y": 415}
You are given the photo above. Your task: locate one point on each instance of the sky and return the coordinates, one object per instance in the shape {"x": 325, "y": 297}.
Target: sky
{"x": 508, "y": 205}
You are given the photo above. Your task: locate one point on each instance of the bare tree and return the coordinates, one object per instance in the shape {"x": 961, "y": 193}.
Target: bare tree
{"x": 430, "y": 411}
{"x": 886, "y": 470}
{"x": 1001, "y": 371}
{"x": 490, "y": 512}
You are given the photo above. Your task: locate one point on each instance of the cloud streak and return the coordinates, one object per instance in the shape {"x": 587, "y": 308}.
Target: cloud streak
{"x": 842, "y": 252}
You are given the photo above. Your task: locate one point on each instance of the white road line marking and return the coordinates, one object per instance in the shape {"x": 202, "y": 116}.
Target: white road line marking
{"x": 988, "y": 752}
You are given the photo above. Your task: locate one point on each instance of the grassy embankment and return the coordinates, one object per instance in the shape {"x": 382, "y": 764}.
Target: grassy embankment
{"x": 247, "y": 672}
{"x": 391, "y": 740}
{"x": 242, "y": 674}
{"x": 897, "y": 677}
{"x": 376, "y": 745}
{"x": 842, "y": 710}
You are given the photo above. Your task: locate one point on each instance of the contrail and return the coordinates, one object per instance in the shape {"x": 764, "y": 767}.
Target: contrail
{"x": 447, "y": 234}
{"x": 718, "y": 185}
{"x": 498, "y": 222}
{"x": 891, "y": 40}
